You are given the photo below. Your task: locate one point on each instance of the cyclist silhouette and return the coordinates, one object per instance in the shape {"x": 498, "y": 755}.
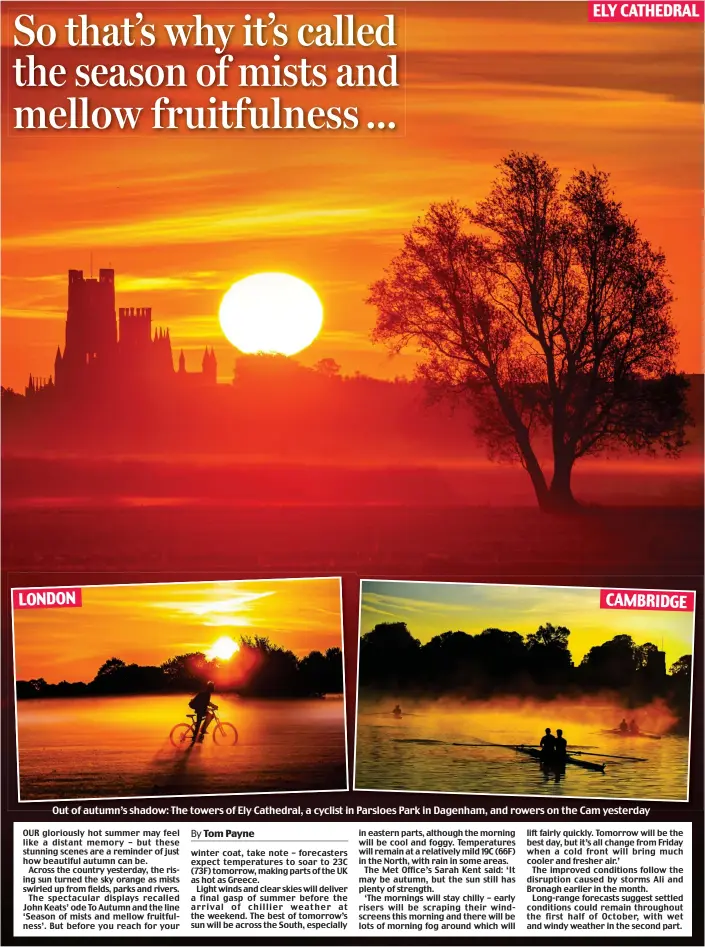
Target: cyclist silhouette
{"x": 202, "y": 705}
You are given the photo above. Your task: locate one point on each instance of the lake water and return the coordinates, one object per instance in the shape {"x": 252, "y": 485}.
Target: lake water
{"x": 393, "y": 754}
{"x": 119, "y": 746}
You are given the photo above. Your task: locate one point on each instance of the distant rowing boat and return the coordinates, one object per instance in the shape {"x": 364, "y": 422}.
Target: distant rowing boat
{"x": 630, "y": 734}
{"x": 397, "y": 714}
{"x": 537, "y": 755}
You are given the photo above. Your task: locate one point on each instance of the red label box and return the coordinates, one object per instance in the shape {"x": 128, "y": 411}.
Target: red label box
{"x": 646, "y": 12}
{"x": 46, "y": 598}
{"x": 647, "y": 600}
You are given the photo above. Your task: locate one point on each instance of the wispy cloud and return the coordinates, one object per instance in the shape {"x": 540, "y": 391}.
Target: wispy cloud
{"x": 216, "y": 226}
{"x": 238, "y": 603}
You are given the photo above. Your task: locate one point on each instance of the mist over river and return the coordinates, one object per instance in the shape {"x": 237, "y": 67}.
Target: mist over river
{"x": 416, "y": 753}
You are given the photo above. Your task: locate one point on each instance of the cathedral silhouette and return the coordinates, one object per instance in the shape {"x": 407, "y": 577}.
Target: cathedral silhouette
{"x": 102, "y": 349}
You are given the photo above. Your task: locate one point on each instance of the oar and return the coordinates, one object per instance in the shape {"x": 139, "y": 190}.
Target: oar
{"x": 508, "y": 746}
{"x": 608, "y": 756}
{"x": 634, "y": 759}
{"x": 415, "y": 740}
{"x": 512, "y": 746}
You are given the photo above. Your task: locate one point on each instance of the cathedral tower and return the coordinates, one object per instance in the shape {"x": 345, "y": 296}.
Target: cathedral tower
{"x": 91, "y": 328}
{"x": 209, "y": 367}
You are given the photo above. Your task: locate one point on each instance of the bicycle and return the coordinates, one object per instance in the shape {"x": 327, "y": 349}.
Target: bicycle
{"x": 223, "y": 733}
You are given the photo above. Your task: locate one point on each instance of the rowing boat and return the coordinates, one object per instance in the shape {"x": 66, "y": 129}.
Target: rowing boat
{"x": 537, "y": 755}
{"x": 630, "y": 733}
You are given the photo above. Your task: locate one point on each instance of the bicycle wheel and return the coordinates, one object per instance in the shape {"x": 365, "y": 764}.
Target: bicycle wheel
{"x": 181, "y": 735}
{"x": 225, "y": 734}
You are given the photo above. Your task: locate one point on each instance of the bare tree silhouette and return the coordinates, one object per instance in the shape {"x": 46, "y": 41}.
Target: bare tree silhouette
{"x": 547, "y": 308}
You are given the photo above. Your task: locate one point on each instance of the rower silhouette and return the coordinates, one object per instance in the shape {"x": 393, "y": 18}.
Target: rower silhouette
{"x": 624, "y": 726}
{"x": 633, "y": 726}
{"x": 561, "y": 746}
{"x": 548, "y": 745}
{"x": 397, "y": 711}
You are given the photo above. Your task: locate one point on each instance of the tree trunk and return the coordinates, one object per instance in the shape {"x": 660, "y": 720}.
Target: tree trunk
{"x": 561, "y": 497}
{"x": 543, "y": 495}
{"x": 523, "y": 441}
{"x": 533, "y": 468}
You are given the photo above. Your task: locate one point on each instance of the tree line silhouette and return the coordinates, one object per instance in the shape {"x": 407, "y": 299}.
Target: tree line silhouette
{"x": 259, "y": 669}
{"x": 276, "y": 407}
{"x": 500, "y": 663}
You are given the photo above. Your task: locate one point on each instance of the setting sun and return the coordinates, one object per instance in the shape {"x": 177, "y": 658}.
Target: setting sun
{"x": 271, "y": 312}
{"x": 223, "y": 649}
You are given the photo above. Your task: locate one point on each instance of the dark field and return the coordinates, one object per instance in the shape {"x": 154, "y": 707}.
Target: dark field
{"x": 384, "y": 541}
{"x": 477, "y": 523}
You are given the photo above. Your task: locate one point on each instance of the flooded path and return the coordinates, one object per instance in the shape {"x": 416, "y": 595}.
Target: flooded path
{"x": 119, "y": 746}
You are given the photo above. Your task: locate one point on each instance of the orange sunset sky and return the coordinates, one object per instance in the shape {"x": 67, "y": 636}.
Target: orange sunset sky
{"x": 148, "y": 624}
{"x": 182, "y": 215}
